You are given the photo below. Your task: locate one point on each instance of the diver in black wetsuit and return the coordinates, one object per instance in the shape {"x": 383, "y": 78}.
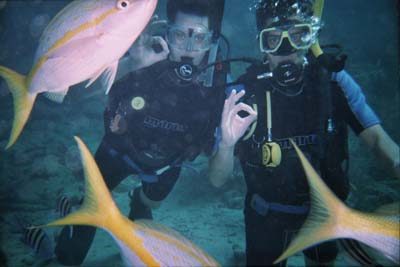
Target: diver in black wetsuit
{"x": 297, "y": 92}
{"x": 161, "y": 114}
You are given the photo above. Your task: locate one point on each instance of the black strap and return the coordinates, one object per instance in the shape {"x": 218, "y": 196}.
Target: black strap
{"x": 262, "y": 207}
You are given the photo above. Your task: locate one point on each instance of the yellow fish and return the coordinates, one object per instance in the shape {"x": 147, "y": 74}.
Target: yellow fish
{"x": 142, "y": 242}
{"x": 330, "y": 218}
{"x": 83, "y": 41}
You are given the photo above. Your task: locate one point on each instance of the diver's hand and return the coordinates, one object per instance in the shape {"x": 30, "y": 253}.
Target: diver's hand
{"x": 232, "y": 125}
{"x": 142, "y": 53}
{"x": 332, "y": 63}
{"x": 118, "y": 125}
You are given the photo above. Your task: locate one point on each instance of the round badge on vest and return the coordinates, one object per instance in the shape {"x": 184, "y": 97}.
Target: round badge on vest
{"x": 138, "y": 103}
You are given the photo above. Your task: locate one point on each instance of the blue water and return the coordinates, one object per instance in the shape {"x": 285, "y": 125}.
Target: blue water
{"x": 44, "y": 161}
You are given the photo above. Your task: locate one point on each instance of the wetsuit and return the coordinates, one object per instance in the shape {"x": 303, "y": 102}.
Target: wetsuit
{"x": 166, "y": 118}
{"x": 316, "y": 117}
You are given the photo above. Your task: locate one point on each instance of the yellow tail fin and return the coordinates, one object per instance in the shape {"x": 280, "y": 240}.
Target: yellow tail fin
{"x": 98, "y": 208}
{"x": 326, "y": 210}
{"x": 23, "y": 101}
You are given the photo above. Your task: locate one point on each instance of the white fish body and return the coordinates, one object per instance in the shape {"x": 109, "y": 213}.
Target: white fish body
{"x": 163, "y": 246}
{"x": 83, "y": 41}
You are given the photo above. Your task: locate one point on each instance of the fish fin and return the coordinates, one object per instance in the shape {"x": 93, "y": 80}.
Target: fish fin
{"x": 325, "y": 213}
{"x": 98, "y": 208}
{"x": 57, "y": 96}
{"x": 23, "y": 101}
{"x": 108, "y": 77}
{"x": 94, "y": 78}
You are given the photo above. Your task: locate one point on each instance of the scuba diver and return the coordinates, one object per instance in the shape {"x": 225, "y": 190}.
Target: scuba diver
{"x": 296, "y": 92}
{"x": 161, "y": 112}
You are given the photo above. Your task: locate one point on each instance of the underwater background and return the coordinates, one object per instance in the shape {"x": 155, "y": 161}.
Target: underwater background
{"x": 44, "y": 163}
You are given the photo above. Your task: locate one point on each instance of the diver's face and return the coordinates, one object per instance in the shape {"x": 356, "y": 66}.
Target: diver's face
{"x": 189, "y": 25}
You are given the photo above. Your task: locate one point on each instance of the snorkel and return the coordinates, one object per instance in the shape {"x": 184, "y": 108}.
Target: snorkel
{"x": 317, "y": 10}
{"x": 329, "y": 62}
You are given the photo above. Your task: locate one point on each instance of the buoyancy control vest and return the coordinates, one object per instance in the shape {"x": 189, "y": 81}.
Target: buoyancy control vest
{"x": 312, "y": 118}
{"x": 167, "y": 118}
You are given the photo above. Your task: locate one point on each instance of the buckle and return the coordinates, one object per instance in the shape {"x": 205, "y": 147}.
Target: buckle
{"x": 148, "y": 178}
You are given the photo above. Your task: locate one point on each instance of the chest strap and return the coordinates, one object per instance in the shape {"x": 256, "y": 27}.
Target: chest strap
{"x": 144, "y": 176}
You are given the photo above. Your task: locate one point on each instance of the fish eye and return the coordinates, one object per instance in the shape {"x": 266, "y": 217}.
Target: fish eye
{"x": 122, "y": 4}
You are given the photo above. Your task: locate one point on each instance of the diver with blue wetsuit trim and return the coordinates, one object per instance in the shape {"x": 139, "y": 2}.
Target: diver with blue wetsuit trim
{"x": 296, "y": 92}
{"x": 161, "y": 112}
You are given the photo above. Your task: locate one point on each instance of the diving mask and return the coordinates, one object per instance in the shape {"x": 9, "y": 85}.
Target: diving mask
{"x": 197, "y": 38}
{"x": 300, "y": 37}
